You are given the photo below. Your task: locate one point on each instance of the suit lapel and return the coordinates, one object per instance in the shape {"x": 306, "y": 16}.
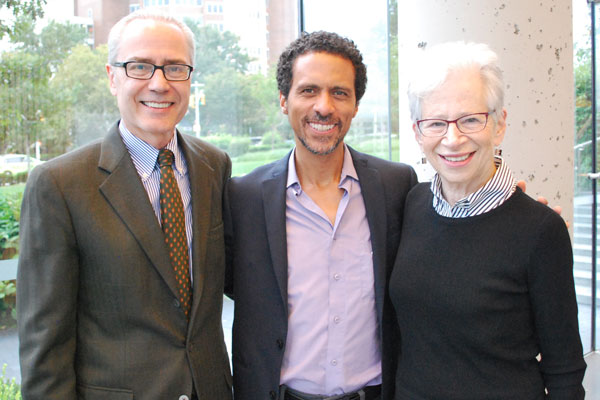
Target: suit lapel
{"x": 372, "y": 191}
{"x": 199, "y": 172}
{"x": 274, "y": 194}
{"x": 124, "y": 191}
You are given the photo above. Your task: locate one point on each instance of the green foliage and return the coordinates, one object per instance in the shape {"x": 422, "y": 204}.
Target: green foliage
{"x": 10, "y": 213}
{"x": 245, "y": 105}
{"x": 8, "y": 310}
{"x": 9, "y": 390}
{"x": 272, "y": 139}
{"x": 23, "y": 105}
{"x": 221, "y": 141}
{"x": 82, "y": 90}
{"x": 31, "y": 8}
{"x": 216, "y": 51}
{"x": 583, "y": 118}
{"x": 238, "y": 146}
{"x": 29, "y": 109}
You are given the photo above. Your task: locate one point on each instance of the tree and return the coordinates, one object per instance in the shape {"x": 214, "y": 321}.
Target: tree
{"x": 54, "y": 43}
{"x": 39, "y": 105}
{"x": 583, "y": 117}
{"x": 32, "y": 8}
{"x": 216, "y": 51}
{"x": 240, "y": 104}
{"x": 81, "y": 87}
{"x": 23, "y": 105}
{"x": 237, "y": 103}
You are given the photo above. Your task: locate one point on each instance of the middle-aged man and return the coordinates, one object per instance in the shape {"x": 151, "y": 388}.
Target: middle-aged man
{"x": 109, "y": 305}
{"x": 312, "y": 239}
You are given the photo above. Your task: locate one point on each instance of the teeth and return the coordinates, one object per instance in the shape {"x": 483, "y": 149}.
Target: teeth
{"x": 457, "y": 159}
{"x": 321, "y": 127}
{"x": 156, "y": 105}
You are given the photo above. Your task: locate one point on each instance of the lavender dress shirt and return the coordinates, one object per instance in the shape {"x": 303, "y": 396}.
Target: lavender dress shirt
{"x": 332, "y": 342}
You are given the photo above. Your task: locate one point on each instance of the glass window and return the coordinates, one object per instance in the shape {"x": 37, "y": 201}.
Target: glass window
{"x": 368, "y": 28}
{"x": 55, "y": 98}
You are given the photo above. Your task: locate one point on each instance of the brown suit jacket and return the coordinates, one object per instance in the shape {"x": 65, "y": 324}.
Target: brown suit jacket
{"x": 97, "y": 310}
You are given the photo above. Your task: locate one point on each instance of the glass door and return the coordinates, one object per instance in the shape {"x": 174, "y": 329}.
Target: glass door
{"x": 585, "y": 223}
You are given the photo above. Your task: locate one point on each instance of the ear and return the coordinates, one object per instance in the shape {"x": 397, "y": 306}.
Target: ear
{"x": 500, "y": 129}
{"x": 283, "y": 103}
{"x": 355, "y": 111}
{"x": 110, "y": 71}
{"x": 418, "y": 136}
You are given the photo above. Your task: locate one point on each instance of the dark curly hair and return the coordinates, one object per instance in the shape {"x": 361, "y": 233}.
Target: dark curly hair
{"x": 326, "y": 42}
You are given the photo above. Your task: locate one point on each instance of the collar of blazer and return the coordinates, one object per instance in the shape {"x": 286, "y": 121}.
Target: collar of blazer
{"x": 123, "y": 187}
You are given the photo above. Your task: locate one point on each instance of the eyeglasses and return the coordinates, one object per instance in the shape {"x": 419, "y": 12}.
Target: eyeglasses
{"x": 471, "y": 123}
{"x": 144, "y": 71}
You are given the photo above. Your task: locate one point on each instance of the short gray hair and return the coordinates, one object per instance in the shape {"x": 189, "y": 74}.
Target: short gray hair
{"x": 115, "y": 35}
{"x": 434, "y": 65}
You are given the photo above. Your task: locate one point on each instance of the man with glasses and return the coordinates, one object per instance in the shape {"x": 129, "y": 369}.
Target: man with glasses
{"x": 122, "y": 252}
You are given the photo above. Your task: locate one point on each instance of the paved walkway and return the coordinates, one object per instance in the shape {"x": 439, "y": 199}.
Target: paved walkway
{"x": 9, "y": 354}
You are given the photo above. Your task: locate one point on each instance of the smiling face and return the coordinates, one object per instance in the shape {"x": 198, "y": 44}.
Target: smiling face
{"x": 464, "y": 162}
{"x": 321, "y": 102}
{"x": 151, "y": 108}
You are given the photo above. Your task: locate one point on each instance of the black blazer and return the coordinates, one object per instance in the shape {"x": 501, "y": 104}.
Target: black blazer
{"x": 257, "y": 266}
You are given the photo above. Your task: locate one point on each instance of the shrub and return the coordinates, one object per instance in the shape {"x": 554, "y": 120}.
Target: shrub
{"x": 9, "y": 390}
{"x": 221, "y": 141}
{"x": 8, "y": 309}
{"x": 10, "y": 179}
{"x": 10, "y": 212}
{"x": 272, "y": 139}
{"x": 238, "y": 146}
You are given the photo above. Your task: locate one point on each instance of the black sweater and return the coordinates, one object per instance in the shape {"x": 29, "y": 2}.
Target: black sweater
{"x": 478, "y": 298}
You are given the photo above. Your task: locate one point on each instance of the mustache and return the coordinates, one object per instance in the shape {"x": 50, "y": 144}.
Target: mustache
{"x": 322, "y": 118}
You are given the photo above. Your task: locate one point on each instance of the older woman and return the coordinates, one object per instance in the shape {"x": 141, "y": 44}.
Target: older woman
{"x": 483, "y": 284}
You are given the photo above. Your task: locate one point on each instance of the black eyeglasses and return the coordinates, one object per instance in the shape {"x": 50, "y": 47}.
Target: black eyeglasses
{"x": 144, "y": 71}
{"x": 471, "y": 123}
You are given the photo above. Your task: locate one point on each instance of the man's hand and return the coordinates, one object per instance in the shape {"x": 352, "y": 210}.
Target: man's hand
{"x": 543, "y": 200}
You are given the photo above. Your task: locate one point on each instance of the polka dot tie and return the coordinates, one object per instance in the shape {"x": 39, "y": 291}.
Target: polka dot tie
{"x": 173, "y": 225}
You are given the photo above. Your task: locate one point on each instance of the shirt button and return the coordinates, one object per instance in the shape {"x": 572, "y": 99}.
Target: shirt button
{"x": 336, "y": 319}
{"x": 337, "y": 277}
{"x": 183, "y": 397}
{"x": 334, "y": 362}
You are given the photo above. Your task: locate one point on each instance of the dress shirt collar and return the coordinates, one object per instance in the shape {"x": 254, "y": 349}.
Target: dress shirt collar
{"x": 495, "y": 192}
{"x": 348, "y": 172}
{"x": 145, "y": 156}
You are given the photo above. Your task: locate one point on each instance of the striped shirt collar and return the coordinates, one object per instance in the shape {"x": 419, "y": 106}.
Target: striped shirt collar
{"x": 348, "y": 170}
{"x": 495, "y": 192}
{"x": 145, "y": 156}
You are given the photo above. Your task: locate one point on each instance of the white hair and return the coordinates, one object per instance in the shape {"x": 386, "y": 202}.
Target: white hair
{"x": 435, "y": 63}
{"x": 115, "y": 35}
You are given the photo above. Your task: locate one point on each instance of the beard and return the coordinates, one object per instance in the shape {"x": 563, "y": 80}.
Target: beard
{"x": 321, "y": 151}
{"x": 324, "y": 146}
